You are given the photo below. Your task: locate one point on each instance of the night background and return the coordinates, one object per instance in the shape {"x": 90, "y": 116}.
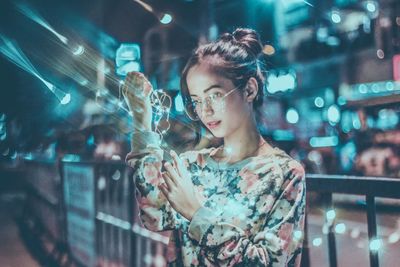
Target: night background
{"x": 331, "y": 102}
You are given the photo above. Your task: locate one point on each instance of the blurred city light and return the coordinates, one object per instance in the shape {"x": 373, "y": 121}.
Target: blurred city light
{"x": 341, "y": 100}
{"x": 333, "y": 41}
{"x": 375, "y": 244}
{"x": 326, "y": 141}
{"x": 281, "y": 83}
{"x": 340, "y": 228}
{"x": 166, "y": 19}
{"x": 355, "y": 233}
{"x": 330, "y": 215}
{"x": 79, "y": 50}
{"x": 317, "y": 242}
{"x": 179, "y": 106}
{"x": 371, "y": 6}
{"x": 335, "y": 17}
{"x": 127, "y": 58}
{"x": 333, "y": 114}
{"x": 269, "y": 50}
{"x": 292, "y": 116}
{"x": 66, "y": 99}
{"x": 283, "y": 135}
{"x": 394, "y": 238}
{"x": 319, "y": 102}
{"x": 298, "y": 234}
{"x": 380, "y": 54}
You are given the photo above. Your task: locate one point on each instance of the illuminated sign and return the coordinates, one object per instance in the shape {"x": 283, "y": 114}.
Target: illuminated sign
{"x": 80, "y": 212}
{"x": 396, "y": 68}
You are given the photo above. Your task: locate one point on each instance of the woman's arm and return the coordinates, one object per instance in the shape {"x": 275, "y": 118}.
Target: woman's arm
{"x": 275, "y": 244}
{"x": 146, "y": 158}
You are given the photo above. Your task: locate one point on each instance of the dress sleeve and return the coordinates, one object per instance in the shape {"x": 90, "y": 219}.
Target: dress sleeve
{"x": 146, "y": 158}
{"x": 278, "y": 242}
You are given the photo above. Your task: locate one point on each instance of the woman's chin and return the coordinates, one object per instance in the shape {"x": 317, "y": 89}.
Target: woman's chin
{"x": 217, "y": 133}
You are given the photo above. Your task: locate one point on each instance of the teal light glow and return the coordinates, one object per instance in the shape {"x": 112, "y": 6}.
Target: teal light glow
{"x": 166, "y": 19}
{"x": 375, "y": 244}
{"x": 292, "y": 116}
{"x": 326, "y": 141}
{"x": 179, "y": 106}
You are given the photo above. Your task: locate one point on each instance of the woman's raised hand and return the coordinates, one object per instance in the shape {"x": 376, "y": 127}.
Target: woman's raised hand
{"x": 178, "y": 188}
{"x": 136, "y": 91}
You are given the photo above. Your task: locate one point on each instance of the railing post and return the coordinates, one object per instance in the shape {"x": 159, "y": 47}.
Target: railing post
{"x": 131, "y": 218}
{"x": 331, "y": 233}
{"x": 305, "y": 257}
{"x": 372, "y": 233}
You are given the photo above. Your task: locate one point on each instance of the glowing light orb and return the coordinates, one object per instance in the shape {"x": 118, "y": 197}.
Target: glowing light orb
{"x": 292, "y": 116}
{"x": 334, "y": 114}
{"x": 335, "y": 17}
{"x": 179, "y": 106}
{"x": 375, "y": 244}
{"x": 340, "y": 228}
{"x": 269, "y": 50}
{"x": 317, "y": 242}
{"x": 371, "y": 7}
{"x": 319, "y": 102}
{"x": 394, "y": 238}
{"x": 330, "y": 215}
{"x": 79, "y": 50}
{"x": 166, "y": 19}
{"x": 355, "y": 233}
{"x": 298, "y": 234}
{"x": 66, "y": 99}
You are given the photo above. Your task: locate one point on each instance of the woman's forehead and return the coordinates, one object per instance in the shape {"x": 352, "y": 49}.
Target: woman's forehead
{"x": 202, "y": 77}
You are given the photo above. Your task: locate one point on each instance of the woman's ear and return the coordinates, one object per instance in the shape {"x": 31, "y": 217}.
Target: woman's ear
{"x": 251, "y": 89}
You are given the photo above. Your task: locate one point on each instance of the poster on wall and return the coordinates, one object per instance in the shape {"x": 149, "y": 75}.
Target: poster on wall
{"x": 80, "y": 212}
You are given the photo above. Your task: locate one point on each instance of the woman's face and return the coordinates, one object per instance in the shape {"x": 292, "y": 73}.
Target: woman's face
{"x": 226, "y": 114}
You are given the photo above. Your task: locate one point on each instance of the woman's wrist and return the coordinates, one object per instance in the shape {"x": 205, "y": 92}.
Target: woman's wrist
{"x": 194, "y": 210}
{"x": 140, "y": 140}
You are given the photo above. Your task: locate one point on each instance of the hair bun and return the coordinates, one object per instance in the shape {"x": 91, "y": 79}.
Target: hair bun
{"x": 250, "y": 39}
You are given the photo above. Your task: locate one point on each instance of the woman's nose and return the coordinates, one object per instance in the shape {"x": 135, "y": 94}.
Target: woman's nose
{"x": 207, "y": 109}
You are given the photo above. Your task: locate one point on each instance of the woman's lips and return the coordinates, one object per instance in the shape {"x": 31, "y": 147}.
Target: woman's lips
{"x": 213, "y": 124}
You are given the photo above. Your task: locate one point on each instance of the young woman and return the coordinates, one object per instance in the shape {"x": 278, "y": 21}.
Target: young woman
{"x": 241, "y": 204}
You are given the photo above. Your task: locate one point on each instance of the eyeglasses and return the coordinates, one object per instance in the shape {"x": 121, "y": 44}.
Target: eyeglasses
{"x": 216, "y": 101}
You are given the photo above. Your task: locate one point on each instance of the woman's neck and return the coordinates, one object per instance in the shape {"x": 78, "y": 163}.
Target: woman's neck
{"x": 245, "y": 142}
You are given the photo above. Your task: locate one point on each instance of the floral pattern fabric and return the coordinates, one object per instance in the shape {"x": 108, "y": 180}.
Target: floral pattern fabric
{"x": 253, "y": 212}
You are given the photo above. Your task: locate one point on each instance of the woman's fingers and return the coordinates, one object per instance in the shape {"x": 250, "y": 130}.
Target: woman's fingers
{"x": 136, "y": 83}
{"x": 178, "y": 164}
{"x": 164, "y": 190}
{"x": 168, "y": 180}
{"x": 148, "y": 88}
{"x": 173, "y": 174}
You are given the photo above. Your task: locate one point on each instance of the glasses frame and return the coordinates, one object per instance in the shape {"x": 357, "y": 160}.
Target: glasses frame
{"x": 207, "y": 102}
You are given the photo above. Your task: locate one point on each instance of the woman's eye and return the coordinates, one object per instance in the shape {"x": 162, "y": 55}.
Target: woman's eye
{"x": 216, "y": 95}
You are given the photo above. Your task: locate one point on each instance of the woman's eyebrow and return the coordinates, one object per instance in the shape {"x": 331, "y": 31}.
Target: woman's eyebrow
{"x": 209, "y": 88}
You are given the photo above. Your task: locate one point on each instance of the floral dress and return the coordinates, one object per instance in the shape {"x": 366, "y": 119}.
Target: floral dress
{"x": 253, "y": 212}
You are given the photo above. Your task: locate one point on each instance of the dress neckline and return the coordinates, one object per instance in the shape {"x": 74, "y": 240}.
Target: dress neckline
{"x": 238, "y": 164}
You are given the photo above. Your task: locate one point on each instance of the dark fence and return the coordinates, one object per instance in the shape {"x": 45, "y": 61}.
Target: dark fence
{"x": 85, "y": 214}
{"x": 88, "y": 212}
{"x": 103, "y": 211}
{"x": 370, "y": 187}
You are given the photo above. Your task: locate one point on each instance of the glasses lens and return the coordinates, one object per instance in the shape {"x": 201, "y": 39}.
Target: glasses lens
{"x": 190, "y": 111}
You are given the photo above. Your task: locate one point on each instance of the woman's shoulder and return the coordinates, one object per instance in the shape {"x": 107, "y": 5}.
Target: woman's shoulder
{"x": 197, "y": 156}
{"x": 281, "y": 162}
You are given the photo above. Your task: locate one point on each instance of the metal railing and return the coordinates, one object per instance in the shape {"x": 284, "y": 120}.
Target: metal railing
{"x": 370, "y": 187}
{"x": 119, "y": 237}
